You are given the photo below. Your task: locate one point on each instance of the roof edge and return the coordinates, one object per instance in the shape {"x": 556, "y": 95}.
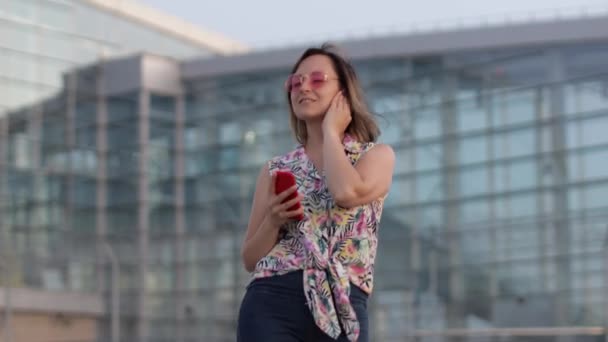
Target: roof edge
{"x": 541, "y": 33}
{"x": 172, "y": 25}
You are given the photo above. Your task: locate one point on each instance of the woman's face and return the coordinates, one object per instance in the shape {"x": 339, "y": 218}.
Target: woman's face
{"x": 313, "y": 86}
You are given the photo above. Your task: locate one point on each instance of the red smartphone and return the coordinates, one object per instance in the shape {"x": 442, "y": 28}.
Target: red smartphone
{"x": 284, "y": 181}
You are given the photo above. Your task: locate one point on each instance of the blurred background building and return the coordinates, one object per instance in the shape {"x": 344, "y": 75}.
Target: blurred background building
{"x": 41, "y": 39}
{"x": 126, "y": 194}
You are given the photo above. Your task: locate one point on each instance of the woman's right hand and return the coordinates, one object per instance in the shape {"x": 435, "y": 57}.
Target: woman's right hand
{"x": 278, "y": 212}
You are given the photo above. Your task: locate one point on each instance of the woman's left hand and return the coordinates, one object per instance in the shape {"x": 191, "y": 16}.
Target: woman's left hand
{"x": 338, "y": 116}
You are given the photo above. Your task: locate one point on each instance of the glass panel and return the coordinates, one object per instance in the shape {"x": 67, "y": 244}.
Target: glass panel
{"x": 523, "y": 205}
{"x": 392, "y": 131}
{"x": 426, "y": 123}
{"x": 595, "y": 163}
{"x": 588, "y": 132}
{"x": 594, "y": 132}
{"x": 516, "y": 175}
{"x": 230, "y": 133}
{"x": 502, "y": 208}
{"x": 428, "y": 187}
{"x": 122, "y": 130}
{"x": 403, "y": 160}
{"x": 476, "y": 246}
{"x": 520, "y": 107}
{"x": 472, "y": 115}
{"x": 428, "y": 157}
{"x": 228, "y": 158}
{"x": 515, "y": 143}
{"x": 474, "y": 211}
{"x": 473, "y": 181}
{"x": 473, "y": 150}
{"x": 121, "y": 192}
{"x": 595, "y": 196}
{"x": 162, "y": 222}
{"x": 400, "y": 192}
{"x": 586, "y": 96}
{"x": 431, "y": 218}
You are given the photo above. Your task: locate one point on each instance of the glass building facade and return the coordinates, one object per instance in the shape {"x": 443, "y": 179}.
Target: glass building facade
{"x": 42, "y": 39}
{"x": 495, "y": 228}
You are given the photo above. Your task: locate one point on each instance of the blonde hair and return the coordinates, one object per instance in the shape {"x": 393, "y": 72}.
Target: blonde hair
{"x": 363, "y": 125}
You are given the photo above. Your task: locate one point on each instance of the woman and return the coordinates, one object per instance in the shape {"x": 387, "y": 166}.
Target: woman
{"x": 312, "y": 276}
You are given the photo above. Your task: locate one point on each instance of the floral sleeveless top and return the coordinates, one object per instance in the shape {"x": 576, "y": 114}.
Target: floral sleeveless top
{"x": 333, "y": 246}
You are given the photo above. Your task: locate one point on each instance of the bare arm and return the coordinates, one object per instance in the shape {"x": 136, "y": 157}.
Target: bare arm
{"x": 262, "y": 240}
{"x": 267, "y": 216}
{"x": 351, "y": 185}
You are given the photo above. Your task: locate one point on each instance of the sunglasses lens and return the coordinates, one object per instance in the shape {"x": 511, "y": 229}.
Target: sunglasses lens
{"x": 317, "y": 79}
{"x": 293, "y": 82}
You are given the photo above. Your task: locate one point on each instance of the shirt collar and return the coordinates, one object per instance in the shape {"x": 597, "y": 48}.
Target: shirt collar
{"x": 350, "y": 143}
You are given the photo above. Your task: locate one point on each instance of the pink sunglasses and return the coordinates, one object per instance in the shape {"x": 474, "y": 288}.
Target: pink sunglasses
{"x": 317, "y": 79}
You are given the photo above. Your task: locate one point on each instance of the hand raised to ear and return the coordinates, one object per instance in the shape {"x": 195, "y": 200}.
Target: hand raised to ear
{"x": 338, "y": 116}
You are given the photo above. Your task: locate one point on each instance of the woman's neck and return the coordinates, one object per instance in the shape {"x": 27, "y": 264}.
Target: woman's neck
{"x": 314, "y": 138}
{"x": 314, "y": 143}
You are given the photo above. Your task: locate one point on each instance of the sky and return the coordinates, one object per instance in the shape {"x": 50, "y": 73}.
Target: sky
{"x": 271, "y": 23}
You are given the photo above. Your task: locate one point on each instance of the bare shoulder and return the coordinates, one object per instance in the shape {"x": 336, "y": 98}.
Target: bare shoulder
{"x": 264, "y": 174}
{"x": 380, "y": 153}
{"x": 383, "y": 149}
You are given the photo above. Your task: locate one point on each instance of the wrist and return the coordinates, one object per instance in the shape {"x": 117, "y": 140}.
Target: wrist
{"x": 331, "y": 135}
{"x": 270, "y": 223}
